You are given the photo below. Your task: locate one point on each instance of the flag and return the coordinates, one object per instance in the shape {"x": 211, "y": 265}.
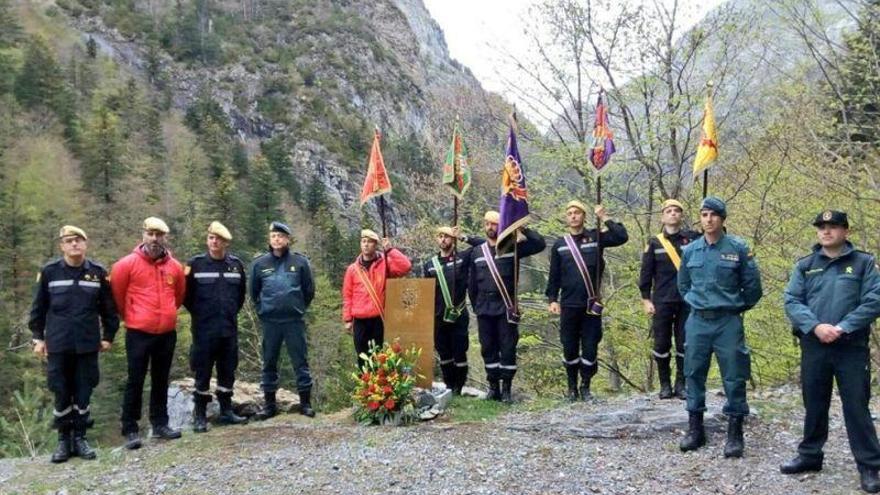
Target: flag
{"x": 514, "y": 205}
{"x": 707, "y": 150}
{"x": 456, "y": 169}
{"x": 603, "y": 142}
{"x": 376, "y": 182}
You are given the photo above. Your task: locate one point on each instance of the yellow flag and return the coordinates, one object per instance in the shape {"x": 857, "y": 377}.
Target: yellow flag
{"x": 707, "y": 150}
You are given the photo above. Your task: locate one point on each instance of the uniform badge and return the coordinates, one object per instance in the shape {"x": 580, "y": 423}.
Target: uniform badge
{"x": 292, "y": 268}
{"x": 849, "y": 270}
{"x": 169, "y": 279}
{"x": 729, "y": 257}
{"x": 827, "y": 215}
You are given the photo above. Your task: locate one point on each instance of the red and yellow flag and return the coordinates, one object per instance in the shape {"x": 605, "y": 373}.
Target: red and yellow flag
{"x": 376, "y": 182}
{"x": 707, "y": 150}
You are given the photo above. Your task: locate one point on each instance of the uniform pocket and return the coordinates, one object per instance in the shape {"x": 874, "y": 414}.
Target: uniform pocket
{"x": 727, "y": 273}
{"x": 60, "y": 294}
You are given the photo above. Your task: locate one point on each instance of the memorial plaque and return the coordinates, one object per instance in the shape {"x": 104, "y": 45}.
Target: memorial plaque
{"x": 409, "y": 316}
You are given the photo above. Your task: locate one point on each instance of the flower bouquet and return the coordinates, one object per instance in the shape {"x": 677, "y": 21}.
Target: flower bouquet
{"x": 384, "y": 384}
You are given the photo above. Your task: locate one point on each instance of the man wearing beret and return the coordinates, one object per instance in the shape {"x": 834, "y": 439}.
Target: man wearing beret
{"x": 575, "y": 267}
{"x": 660, "y": 298}
{"x": 73, "y": 317}
{"x": 282, "y": 288}
{"x": 450, "y": 269}
{"x": 148, "y": 286}
{"x": 215, "y": 293}
{"x": 363, "y": 290}
{"x": 832, "y": 298}
{"x": 491, "y": 288}
{"x": 719, "y": 280}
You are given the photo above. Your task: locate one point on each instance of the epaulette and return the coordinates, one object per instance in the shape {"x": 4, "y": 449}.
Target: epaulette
{"x": 300, "y": 254}
{"x": 198, "y": 256}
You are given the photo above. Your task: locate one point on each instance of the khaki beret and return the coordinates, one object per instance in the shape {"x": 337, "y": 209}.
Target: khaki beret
{"x": 671, "y": 202}
{"x": 576, "y": 204}
{"x": 69, "y": 230}
{"x": 219, "y": 230}
{"x": 492, "y": 216}
{"x": 446, "y": 231}
{"x": 369, "y": 234}
{"x": 153, "y": 223}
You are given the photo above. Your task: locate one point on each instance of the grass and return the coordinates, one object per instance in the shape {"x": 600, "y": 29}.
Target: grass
{"x": 473, "y": 410}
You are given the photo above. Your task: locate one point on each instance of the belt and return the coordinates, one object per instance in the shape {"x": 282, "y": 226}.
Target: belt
{"x": 714, "y": 314}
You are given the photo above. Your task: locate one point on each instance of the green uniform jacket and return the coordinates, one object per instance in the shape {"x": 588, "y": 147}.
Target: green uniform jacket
{"x": 844, "y": 291}
{"x": 719, "y": 277}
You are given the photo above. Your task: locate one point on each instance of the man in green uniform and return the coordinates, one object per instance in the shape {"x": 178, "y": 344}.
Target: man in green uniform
{"x": 832, "y": 298}
{"x": 719, "y": 280}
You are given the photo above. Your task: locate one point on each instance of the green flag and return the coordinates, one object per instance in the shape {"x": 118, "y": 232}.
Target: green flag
{"x": 456, "y": 170}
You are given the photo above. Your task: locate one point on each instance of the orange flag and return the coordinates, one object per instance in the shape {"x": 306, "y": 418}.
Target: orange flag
{"x": 376, "y": 182}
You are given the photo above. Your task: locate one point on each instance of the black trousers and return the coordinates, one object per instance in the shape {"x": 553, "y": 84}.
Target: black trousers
{"x": 580, "y": 335}
{"x": 847, "y": 361}
{"x": 205, "y": 354}
{"x": 364, "y": 331}
{"x": 147, "y": 351}
{"x": 72, "y": 377}
{"x": 668, "y": 324}
{"x": 451, "y": 340}
{"x": 498, "y": 340}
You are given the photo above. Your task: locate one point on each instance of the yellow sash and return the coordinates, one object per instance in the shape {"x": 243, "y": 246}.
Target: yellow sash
{"x": 362, "y": 274}
{"x": 670, "y": 250}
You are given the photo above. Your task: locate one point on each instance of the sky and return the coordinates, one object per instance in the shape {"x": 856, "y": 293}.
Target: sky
{"x": 471, "y": 26}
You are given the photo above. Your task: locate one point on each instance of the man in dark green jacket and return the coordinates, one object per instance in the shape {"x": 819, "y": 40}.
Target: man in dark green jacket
{"x": 282, "y": 289}
{"x": 719, "y": 280}
{"x": 832, "y": 298}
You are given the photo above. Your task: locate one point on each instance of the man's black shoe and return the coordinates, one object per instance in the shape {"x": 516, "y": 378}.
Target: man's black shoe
{"x": 82, "y": 448}
{"x": 869, "y": 480}
{"x": 800, "y": 465}
{"x": 133, "y": 441}
{"x": 165, "y": 432}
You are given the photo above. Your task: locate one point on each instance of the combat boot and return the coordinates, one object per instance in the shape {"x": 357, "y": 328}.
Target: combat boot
{"x": 663, "y": 373}
{"x": 735, "y": 445}
{"x": 494, "y": 391}
{"x": 696, "y": 434}
{"x": 305, "y": 404}
{"x": 227, "y": 413}
{"x": 270, "y": 408}
{"x": 506, "y": 396}
{"x": 571, "y": 394}
{"x": 62, "y": 452}
{"x": 200, "y": 418}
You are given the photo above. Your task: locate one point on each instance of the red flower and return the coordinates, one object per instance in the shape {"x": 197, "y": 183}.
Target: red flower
{"x": 366, "y": 376}
{"x": 389, "y": 404}
{"x": 373, "y": 405}
{"x": 372, "y": 388}
{"x": 365, "y": 393}
{"x": 387, "y": 389}
{"x": 383, "y": 381}
{"x": 382, "y": 358}
{"x": 396, "y": 347}
{"x": 381, "y": 372}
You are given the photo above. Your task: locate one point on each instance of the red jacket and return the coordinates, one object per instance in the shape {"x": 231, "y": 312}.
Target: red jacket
{"x": 356, "y": 301}
{"x": 148, "y": 292}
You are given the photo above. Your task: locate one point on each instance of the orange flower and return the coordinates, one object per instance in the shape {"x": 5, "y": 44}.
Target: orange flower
{"x": 372, "y": 388}
{"x": 382, "y": 358}
{"x": 389, "y": 404}
{"x": 372, "y": 406}
{"x": 396, "y": 347}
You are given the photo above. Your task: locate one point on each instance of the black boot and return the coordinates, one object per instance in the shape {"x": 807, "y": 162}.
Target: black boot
{"x": 734, "y": 446}
{"x": 461, "y": 373}
{"x": 227, "y": 413}
{"x": 448, "y": 372}
{"x": 799, "y": 465}
{"x": 305, "y": 403}
{"x": 81, "y": 446}
{"x": 572, "y": 374}
{"x": 270, "y": 408}
{"x": 494, "y": 392}
{"x": 506, "y": 396}
{"x": 62, "y": 452}
{"x": 680, "y": 390}
{"x": 869, "y": 480}
{"x": 696, "y": 435}
{"x": 200, "y": 417}
{"x": 663, "y": 374}
{"x": 584, "y": 389}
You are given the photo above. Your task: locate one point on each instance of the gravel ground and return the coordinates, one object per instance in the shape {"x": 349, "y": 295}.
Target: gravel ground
{"x": 616, "y": 446}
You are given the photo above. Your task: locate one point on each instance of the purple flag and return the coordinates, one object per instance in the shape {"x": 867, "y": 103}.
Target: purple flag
{"x": 514, "y": 206}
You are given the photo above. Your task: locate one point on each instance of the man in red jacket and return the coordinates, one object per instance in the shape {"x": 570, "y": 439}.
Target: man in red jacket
{"x": 363, "y": 290}
{"x": 148, "y": 286}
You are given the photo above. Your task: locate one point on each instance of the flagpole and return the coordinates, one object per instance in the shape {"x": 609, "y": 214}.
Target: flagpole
{"x": 598, "y": 281}
{"x": 513, "y": 123}
{"x": 454, "y": 213}
{"x": 382, "y": 218}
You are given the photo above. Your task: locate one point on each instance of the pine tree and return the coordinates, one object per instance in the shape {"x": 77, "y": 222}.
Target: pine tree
{"x": 10, "y": 29}
{"x": 40, "y": 78}
{"x": 264, "y": 197}
{"x": 103, "y": 147}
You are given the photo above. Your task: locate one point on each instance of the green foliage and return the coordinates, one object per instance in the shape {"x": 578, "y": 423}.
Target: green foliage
{"x": 10, "y": 29}
{"x": 102, "y": 149}
{"x": 25, "y": 430}
{"x": 40, "y": 79}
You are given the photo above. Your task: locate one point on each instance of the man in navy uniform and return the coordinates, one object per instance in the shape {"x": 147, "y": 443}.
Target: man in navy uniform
{"x": 574, "y": 274}
{"x": 72, "y": 305}
{"x": 660, "y": 297}
{"x": 491, "y": 290}
{"x": 450, "y": 313}
{"x": 215, "y": 293}
{"x": 832, "y": 298}
{"x": 719, "y": 280}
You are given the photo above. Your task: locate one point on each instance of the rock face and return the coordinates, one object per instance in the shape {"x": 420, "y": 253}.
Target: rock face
{"x": 247, "y": 399}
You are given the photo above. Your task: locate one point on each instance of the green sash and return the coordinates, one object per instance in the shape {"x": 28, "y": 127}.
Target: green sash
{"x": 450, "y": 312}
